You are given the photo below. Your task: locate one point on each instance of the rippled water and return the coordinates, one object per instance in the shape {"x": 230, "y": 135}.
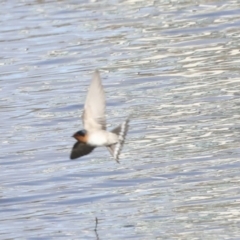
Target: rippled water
{"x": 173, "y": 66}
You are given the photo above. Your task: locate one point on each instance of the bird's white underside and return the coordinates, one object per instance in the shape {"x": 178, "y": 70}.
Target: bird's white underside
{"x": 102, "y": 138}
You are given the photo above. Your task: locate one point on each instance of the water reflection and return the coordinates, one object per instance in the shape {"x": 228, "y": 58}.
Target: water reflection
{"x": 172, "y": 66}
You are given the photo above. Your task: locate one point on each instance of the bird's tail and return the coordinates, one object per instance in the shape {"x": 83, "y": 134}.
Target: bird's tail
{"x": 121, "y": 131}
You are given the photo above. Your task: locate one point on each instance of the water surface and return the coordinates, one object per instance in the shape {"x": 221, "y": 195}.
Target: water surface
{"x": 173, "y": 66}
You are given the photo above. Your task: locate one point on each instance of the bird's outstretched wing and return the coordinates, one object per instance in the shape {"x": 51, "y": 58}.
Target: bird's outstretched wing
{"x": 94, "y": 109}
{"x": 80, "y": 149}
{"x": 121, "y": 131}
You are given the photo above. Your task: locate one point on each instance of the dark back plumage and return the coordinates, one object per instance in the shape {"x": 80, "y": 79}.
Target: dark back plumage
{"x": 81, "y": 133}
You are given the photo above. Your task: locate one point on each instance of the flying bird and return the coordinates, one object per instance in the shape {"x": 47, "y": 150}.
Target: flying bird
{"x": 95, "y": 133}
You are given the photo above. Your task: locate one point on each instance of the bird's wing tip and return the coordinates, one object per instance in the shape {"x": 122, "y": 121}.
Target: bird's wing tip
{"x": 96, "y": 75}
{"x": 96, "y": 72}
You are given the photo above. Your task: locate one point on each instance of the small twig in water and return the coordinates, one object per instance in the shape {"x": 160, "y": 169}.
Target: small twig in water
{"x": 96, "y": 223}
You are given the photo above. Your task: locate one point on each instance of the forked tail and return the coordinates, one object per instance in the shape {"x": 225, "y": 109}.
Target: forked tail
{"x": 121, "y": 131}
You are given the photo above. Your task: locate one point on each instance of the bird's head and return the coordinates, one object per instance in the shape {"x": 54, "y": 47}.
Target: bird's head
{"x": 80, "y": 136}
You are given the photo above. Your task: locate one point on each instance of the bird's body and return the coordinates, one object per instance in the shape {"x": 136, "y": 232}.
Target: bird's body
{"x": 102, "y": 138}
{"x": 95, "y": 133}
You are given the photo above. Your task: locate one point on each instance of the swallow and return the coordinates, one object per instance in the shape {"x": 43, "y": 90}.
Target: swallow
{"x": 95, "y": 133}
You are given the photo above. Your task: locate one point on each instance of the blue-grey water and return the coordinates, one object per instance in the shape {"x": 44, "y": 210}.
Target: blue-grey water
{"x": 173, "y": 66}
